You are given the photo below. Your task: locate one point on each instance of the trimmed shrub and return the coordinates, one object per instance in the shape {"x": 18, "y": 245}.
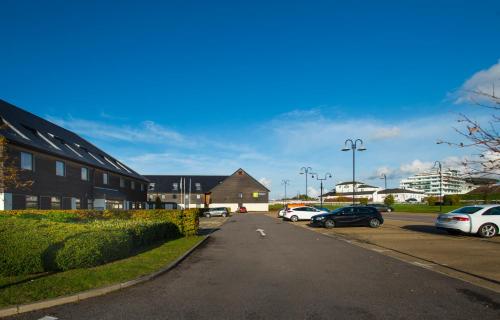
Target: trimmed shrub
{"x": 363, "y": 201}
{"x": 389, "y": 200}
{"x": 91, "y": 249}
{"x": 431, "y": 200}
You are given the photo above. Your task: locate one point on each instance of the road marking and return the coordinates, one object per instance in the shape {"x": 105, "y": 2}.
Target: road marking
{"x": 261, "y": 232}
{"x": 48, "y": 318}
{"x": 380, "y": 250}
{"x": 423, "y": 265}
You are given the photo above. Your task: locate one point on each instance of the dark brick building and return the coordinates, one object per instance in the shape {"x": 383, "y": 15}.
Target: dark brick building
{"x": 67, "y": 171}
{"x": 196, "y": 191}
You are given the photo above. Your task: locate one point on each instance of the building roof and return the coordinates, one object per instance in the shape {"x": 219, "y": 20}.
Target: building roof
{"x": 165, "y": 183}
{"x": 26, "y": 129}
{"x": 357, "y": 193}
{"x": 399, "y": 190}
{"x": 349, "y": 182}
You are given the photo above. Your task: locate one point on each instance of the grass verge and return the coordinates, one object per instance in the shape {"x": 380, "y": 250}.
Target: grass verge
{"x": 26, "y": 289}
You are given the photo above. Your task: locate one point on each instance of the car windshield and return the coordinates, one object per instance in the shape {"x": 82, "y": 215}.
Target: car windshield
{"x": 336, "y": 210}
{"x": 467, "y": 210}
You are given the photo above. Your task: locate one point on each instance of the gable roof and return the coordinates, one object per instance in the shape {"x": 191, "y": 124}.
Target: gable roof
{"x": 164, "y": 183}
{"x": 252, "y": 178}
{"x": 349, "y": 182}
{"x": 26, "y": 129}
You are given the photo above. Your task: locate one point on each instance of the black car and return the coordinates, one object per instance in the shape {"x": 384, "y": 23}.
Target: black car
{"x": 349, "y": 216}
{"x": 381, "y": 207}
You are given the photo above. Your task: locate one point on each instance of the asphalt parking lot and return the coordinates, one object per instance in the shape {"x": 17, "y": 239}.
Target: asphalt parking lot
{"x": 413, "y": 238}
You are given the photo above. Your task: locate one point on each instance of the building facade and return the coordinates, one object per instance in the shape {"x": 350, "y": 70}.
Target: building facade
{"x": 400, "y": 195}
{"x": 66, "y": 171}
{"x": 346, "y": 187}
{"x": 432, "y": 184}
{"x": 197, "y": 191}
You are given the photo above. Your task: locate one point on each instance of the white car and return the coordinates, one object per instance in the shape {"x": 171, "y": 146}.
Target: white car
{"x": 483, "y": 220}
{"x": 281, "y": 213}
{"x": 301, "y": 213}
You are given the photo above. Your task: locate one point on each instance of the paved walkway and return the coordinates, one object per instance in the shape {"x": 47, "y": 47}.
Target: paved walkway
{"x": 288, "y": 273}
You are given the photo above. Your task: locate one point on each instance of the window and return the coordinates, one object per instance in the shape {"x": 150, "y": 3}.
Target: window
{"x": 240, "y": 195}
{"x": 85, "y": 174}
{"x": 55, "y": 202}
{"x": 492, "y": 212}
{"x": 31, "y": 202}
{"x": 26, "y": 161}
{"x": 175, "y": 186}
{"x": 142, "y": 187}
{"x": 122, "y": 183}
{"x": 151, "y": 186}
{"x": 60, "y": 169}
{"x": 77, "y": 203}
{"x": 174, "y": 196}
{"x": 90, "y": 204}
{"x": 132, "y": 185}
{"x": 105, "y": 178}
{"x": 197, "y": 186}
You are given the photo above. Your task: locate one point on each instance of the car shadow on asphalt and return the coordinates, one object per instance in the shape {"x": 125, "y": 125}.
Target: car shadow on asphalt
{"x": 425, "y": 229}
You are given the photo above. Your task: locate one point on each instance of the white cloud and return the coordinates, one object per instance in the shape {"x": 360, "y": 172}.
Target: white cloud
{"x": 385, "y": 133}
{"x": 482, "y": 81}
{"x": 266, "y": 182}
{"x": 415, "y": 166}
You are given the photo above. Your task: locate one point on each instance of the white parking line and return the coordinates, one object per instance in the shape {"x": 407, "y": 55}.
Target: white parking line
{"x": 49, "y": 318}
{"x": 423, "y": 265}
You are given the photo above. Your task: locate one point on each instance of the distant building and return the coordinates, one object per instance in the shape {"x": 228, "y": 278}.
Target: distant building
{"x": 67, "y": 171}
{"x": 198, "y": 191}
{"x": 430, "y": 183}
{"x": 346, "y": 187}
{"x": 400, "y": 195}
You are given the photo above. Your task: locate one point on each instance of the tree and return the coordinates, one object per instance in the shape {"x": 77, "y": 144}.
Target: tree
{"x": 482, "y": 137}
{"x": 158, "y": 204}
{"x": 431, "y": 200}
{"x": 11, "y": 176}
{"x": 363, "y": 201}
{"x": 389, "y": 200}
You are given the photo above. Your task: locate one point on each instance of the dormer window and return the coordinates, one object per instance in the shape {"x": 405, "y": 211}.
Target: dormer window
{"x": 175, "y": 186}
{"x": 197, "y": 186}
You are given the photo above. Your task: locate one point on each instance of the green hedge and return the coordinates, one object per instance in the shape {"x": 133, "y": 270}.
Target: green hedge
{"x": 34, "y": 241}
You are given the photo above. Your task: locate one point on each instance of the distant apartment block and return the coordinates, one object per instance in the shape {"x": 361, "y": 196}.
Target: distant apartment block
{"x": 430, "y": 183}
{"x": 199, "y": 191}
{"x": 67, "y": 171}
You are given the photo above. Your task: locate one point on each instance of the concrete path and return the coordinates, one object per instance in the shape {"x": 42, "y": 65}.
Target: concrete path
{"x": 290, "y": 273}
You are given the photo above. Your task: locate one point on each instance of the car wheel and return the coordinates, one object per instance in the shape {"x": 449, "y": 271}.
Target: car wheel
{"x": 207, "y": 215}
{"x": 487, "y": 230}
{"x": 294, "y": 218}
{"x": 374, "y": 223}
{"x": 329, "y": 224}
{"x": 389, "y": 210}
{"x": 224, "y": 215}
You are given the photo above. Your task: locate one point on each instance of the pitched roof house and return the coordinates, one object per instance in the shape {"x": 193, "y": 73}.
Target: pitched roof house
{"x": 67, "y": 171}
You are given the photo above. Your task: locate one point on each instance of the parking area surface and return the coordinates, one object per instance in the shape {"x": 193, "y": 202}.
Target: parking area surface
{"x": 413, "y": 238}
{"x": 257, "y": 267}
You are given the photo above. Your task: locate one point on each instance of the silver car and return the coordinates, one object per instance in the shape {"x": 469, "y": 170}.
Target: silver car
{"x": 216, "y": 212}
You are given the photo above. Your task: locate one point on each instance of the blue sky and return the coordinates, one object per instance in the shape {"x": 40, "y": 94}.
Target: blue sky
{"x": 206, "y": 87}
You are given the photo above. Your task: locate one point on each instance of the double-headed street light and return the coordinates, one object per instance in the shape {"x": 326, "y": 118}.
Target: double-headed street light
{"x": 327, "y": 175}
{"x": 349, "y": 144}
{"x": 307, "y": 171}
{"x": 285, "y": 182}
{"x": 437, "y": 165}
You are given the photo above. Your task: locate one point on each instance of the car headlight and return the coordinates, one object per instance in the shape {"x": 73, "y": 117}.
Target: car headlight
{"x": 319, "y": 218}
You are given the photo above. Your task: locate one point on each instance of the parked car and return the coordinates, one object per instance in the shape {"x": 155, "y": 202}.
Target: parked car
{"x": 212, "y": 212}
{"x": 483, "y": 220}
{"x": 349, "y": 216}
{"x": 322, "y": 208}
{"x": 242, "y": 210}
{"x": 381, "y": 207}
{"x": 301, "y": 213}
{"x": 281, "y": 213}
{"x": 411, "y": 200}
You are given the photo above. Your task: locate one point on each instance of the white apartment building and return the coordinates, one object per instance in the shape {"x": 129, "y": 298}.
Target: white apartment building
{"x": 430, "y": 183}
{"x": 346, "y": 187}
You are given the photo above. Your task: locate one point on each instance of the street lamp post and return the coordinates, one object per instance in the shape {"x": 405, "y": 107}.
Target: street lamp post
{"x": 349, "y": 144}
{"x": 327, "y": 175}
{"x": 437, "y": 164}
{"x": 385, "y": 180}
{"x": 307, "y": 171}
{"x": 285, "y": 182}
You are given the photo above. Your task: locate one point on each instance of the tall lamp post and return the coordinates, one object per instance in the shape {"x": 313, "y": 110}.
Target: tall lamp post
{"x": 385, "y": 180}
{"x": 307, "y": 171}
{"x": 349, "y": 144}
{"x": 285, "y": 182}
{"x": 327, "y": 175}
{"x": 437, "y": 165}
